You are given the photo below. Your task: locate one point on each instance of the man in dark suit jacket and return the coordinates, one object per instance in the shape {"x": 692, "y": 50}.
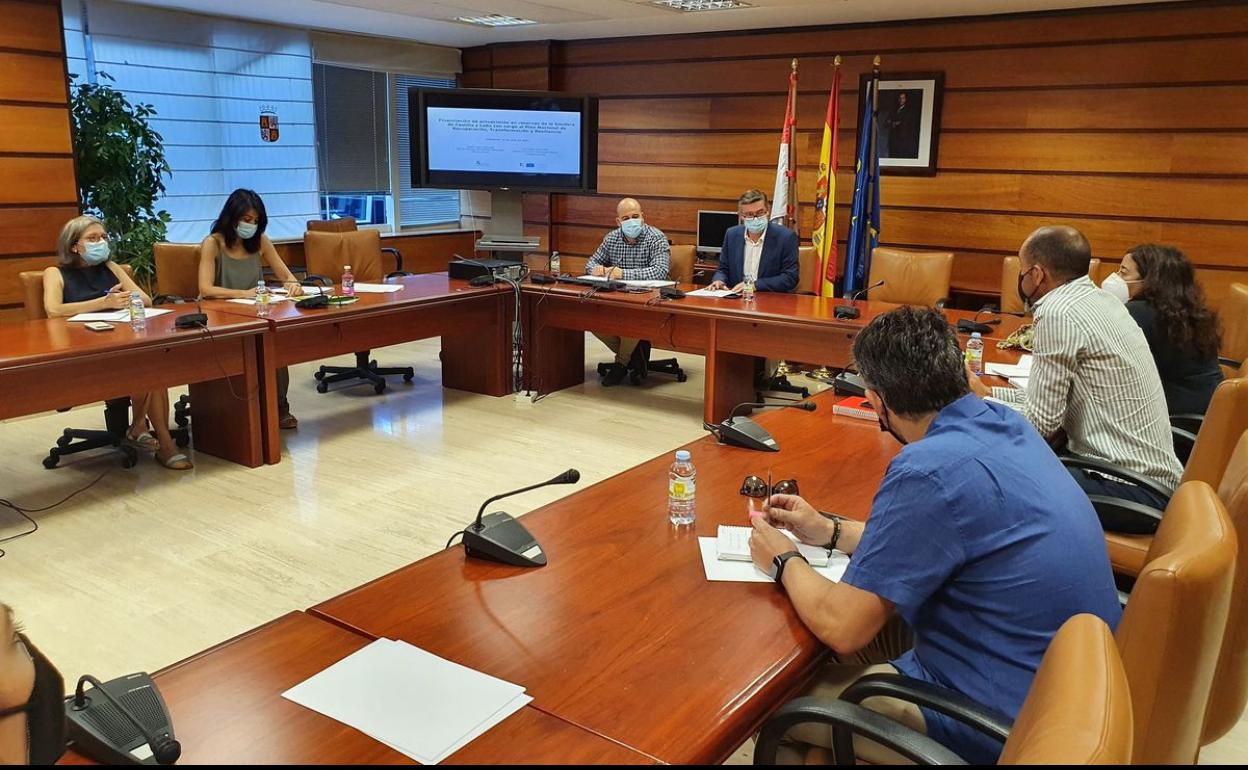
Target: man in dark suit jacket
{"x": 770, "y": 250}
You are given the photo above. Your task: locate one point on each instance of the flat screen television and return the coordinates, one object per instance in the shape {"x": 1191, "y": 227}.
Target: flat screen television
{"x": 485, "y": 139}
{"x": 711, "y": 228}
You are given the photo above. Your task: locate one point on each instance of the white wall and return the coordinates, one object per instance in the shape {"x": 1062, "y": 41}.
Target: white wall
{"x": 208, "y": 79}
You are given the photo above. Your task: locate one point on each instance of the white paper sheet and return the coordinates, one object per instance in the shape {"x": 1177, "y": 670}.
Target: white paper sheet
{"x": 746, "y": 572}
{"x": 716, "y": 293}
{"x": 306, "y": 290}
{"x": 413, "y": 701}
{"x": 733, "y": 544}
{"x": 377, "y": 288}
{"x": 118, "y": 315}
{"x": 636, "y": 284}
{"x": 273, "y": 299}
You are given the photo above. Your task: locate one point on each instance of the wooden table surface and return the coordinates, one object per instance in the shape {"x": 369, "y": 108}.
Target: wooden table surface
{"x": 227, "y": 708}
{"x": 621, "y": 633}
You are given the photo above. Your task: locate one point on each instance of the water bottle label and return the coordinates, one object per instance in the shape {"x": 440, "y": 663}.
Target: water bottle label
{"x": 682, "y": 489}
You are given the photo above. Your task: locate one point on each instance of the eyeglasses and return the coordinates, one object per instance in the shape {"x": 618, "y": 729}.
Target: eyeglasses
{"x": 755, "y": 487}
{"x": 95, "y": 238}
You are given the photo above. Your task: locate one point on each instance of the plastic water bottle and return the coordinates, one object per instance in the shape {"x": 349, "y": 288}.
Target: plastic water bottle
{"x": 747, "y": 291}
{"x": 138, "y": 317}
{"x": 682, "y": 484}
{"x": 263, "y": 300}
{"x": 554, "y": 262}
{"x": 348, "y": 282}
{"x": 975, "y": 353}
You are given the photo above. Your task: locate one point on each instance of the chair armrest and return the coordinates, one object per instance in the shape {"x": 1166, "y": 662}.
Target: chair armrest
{"x": 313, "y": 279}
{"x": 167, "y": 299}
{"x": 1187, "y": 422}
{"x": 399, "y": 274}
{"x": 1232, "y": 363}
{"x": 942, "y": 700}
{"x": 1117, "y": 473}
{"x": 1184, "y": 442}
{"x": 398, "y": 258}
{"x": 847, "y": 720}
{"x": 1116, "y": 505}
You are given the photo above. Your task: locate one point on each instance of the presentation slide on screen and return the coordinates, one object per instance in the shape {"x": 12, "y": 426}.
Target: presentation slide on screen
{"x": 504, "y": 141}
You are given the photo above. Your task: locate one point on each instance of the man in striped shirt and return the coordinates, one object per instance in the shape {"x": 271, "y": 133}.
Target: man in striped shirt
{"x": 634, "y": 251}
{"x": 1093, "y": 378}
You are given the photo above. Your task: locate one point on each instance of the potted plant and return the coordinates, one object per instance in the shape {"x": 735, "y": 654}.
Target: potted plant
{"x": 121, "y": 168}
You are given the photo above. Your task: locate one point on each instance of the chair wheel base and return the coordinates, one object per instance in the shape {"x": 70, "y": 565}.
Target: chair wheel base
{"x": 322, "y": 387}
{"x": 51, "y": 461}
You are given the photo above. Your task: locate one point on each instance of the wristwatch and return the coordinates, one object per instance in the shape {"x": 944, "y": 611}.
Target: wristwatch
{"x": 777, "y": 564}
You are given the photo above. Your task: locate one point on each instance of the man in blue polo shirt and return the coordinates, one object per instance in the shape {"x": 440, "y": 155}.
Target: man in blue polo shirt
{"x": 978, "y": 547}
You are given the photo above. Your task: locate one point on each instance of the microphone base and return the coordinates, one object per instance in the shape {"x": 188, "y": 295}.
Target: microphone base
{"x": 503, "y": 539}
{"x": 100, "y": 733}
{"x": 191, "y": 321}
{"x": 745, "y": 433}
{"x": 845, "y": 311}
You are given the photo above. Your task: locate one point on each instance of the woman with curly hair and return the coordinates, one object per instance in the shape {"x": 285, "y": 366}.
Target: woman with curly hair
{"x": 1160, "y": 289}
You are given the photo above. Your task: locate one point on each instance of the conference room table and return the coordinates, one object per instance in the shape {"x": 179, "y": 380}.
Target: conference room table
{"x": 621, "y": 634}
{"x": 227, "y": 708}
{"x": 55, "y": 363}
{"x": 473, "y": 322}
{"x": 731, "y": 333}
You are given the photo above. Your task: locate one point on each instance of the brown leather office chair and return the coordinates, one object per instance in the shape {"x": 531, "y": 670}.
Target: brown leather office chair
{"x": 1010, "y": 301}
{"x": 681, "y": 270}
{"x": 177, "y": 271}
{"x": 1224, "y": 423}
{"x": 326, "y": 254}
{"x": 1229, "y": 695}
{"x": 1077, "y": 712}
{"x": 910, "y": 277}
{"x": 1234, "y": 318}
{"x": 806, "y": 265}
{"x": 342, "y": 225}
{"x": 1172, "y": 629}
{"x": 116, "y": 410}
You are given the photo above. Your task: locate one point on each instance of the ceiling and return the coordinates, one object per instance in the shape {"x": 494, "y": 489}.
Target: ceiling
{"x": 429, "y": 21}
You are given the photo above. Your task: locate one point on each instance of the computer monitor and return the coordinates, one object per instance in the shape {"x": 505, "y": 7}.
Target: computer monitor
{"x": 711, "y": 228}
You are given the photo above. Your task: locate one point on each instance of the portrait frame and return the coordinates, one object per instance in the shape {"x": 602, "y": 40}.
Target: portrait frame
{"x": 917, "y": 134}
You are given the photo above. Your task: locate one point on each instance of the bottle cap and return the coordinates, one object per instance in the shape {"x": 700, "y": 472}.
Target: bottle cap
{"x": 345, "y": 268}
{"x": 683, "y": 456}
{"x": 976, "y": 335}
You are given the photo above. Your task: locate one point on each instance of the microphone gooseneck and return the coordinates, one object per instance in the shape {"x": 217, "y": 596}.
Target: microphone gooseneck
{"x": 570, "y": 476}
{"x": 866, "y": 289}
{"x": 806, "y": 405}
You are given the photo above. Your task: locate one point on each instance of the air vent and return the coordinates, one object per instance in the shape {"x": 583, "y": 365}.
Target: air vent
{"x": 688, "y": 6}
{"x": 494, "y": 20}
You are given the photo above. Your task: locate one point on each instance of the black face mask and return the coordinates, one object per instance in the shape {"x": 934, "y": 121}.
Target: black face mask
{"x": 886, "y": 427}
{"x": 1027, "y": 299}
{"x": 45, "y": 711}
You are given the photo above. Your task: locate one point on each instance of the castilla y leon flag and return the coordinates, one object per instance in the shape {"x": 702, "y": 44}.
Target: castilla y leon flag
{"x": 784, "y": 199}
{"x": 823, "y": 235}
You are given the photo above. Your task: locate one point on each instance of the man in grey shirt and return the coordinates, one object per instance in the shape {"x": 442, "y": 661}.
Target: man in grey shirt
{"x": 1093, "y": 378}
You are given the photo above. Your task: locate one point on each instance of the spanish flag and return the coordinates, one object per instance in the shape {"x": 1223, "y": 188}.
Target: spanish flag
{"x": 824, "y": 235}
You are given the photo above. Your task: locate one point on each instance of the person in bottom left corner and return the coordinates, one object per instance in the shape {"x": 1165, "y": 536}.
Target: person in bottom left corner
{"x": 32, "y": 709}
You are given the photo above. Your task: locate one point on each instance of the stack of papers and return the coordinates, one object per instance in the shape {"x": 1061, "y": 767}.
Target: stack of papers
{"x": 733, "y": 544}
{"x": 118, "y": 315}
{"x": 637, "y": 284}
{"x": 1021, "y": 370}
{"x": 416, "y": 703}
{"x": 717, "y": 293}
{"x": 307, "y": 290}
{"x": 377, "y": 288}
{"x": 722, "y": 570}
{"x": 273, "y": 298}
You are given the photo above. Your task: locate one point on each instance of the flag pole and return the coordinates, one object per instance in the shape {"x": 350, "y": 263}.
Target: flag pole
{"x": 823, "y": 372}
{"x": 784, "y": 368}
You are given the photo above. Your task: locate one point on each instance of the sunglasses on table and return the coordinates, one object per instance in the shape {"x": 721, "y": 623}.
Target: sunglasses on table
{"x": 756, "y": 487}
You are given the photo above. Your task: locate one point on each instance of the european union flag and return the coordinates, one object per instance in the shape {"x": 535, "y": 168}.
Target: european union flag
{"x": 865, "y": 213}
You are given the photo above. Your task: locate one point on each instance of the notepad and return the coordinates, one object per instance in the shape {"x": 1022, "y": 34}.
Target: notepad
{"x": 118, "y": 316}
{"x": 415, "y": 702}
{"x": 377, "y": 288}
{"x": 733, "y": 544}
{"x": 634, "y": 284}
{"x": 715, "y": 293}
{"x": 726, "y": 571}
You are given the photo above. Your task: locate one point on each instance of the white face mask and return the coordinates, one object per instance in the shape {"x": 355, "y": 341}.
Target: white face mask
{"x": 1116, "y": 285}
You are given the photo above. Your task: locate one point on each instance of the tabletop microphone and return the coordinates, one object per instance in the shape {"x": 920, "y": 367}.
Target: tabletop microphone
{"x": 111, "y": 738}
{"x": 500, "y": 537}
{"x": 744, "y": 432}
{"x": 849, "y": 311}
{"x": 196, "y": 320}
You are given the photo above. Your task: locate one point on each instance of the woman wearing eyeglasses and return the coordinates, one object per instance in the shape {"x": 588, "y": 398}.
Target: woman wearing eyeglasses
{"x": 87, "y": 280}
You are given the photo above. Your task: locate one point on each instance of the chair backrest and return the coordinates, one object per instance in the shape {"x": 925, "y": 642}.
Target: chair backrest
{"x": 806, "y": 265}
{"x": 1171, "y": 631}
{"x": 32, "y": 292}
{"x": 1225, "y": 421}
{"x": 910, "y": 277}
{"x": 681, "y": 269}
{"x": 1078, "y": 710}
{"x": 342, "y": 225}
{"x": 177, "y": 269}
{"x": 327, "y": 253}
{"x": 1234, "y": 318}
{"x": 1229, "y": 695}
{"x": 1010, "y": 301}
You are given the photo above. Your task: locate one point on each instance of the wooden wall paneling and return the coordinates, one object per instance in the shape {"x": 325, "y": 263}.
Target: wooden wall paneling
{"x": 28, "y": 231}
{"x": 31, "y": 26}
{"x": 31, "y": 77}
{"x": 30, "y": 129}
{"x": 47, "y": 180}
{"x": 10, "y": 285}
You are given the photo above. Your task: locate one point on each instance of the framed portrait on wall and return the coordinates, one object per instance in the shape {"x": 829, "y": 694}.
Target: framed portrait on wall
{"x": 907, "y": 121}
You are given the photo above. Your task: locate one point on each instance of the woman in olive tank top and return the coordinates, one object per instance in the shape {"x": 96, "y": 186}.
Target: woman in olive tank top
{"x": 88, "y": 281}
{"x": 231, "y": 263}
